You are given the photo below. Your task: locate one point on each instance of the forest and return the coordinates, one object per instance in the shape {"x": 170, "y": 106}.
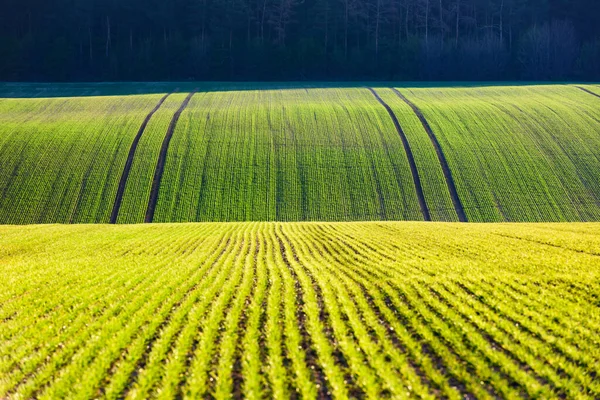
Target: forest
{"x": 267, "y": 40}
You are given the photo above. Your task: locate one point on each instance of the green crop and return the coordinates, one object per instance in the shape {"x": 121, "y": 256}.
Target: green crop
{"x": 139, "y": 182}
{"x": 274, "y": 310}
{"x": 519, "y": 153}
{"x": 514, "y": 153}
{"x": 61, "y": 158}
{"x": 289, "y": 155}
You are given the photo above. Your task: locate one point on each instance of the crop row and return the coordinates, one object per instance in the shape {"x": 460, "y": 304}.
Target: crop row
{"x": 275, "y": 310}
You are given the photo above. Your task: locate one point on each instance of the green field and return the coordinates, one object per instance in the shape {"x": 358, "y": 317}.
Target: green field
{"x": 280, "y": 310}
{"x": 293, "y": 259}
{"x": 284, "y": 153}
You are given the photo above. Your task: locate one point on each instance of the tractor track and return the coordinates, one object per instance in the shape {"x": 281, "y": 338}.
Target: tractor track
{"x": 409, "y": 155}
{"x": 460, "y": 211}
{"x": 123, "y": 181}
{"x": 162, "y": 158}
{"x": 588, "y": 91}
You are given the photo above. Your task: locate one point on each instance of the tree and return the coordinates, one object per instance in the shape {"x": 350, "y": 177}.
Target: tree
{"x": 297, "y": 39}
{"x": 549, "y": 51}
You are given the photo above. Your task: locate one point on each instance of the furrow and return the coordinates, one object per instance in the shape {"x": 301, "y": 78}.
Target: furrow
{"x": 123, "y": 181}
{"x": 458, "y": 206}
{"x": 570, "y": 353}
{"x": 247, "y": 380}
{"x": 409, "y": 155}
{"x": 174, "y": 369}
{"x": 330, "y": 368}
{"x": 147, "y": 369}
{"x": 504, "y": 336}
{"x": 275, "y": 370}
{"x": 70, "y": 339}
{"x": 410, "y": 322}
{"x": 366, "y": 322}
{"x": 160, "y": 165}
{"x": 70, "y": 292}
{"x": 144, "y": 320}
{"x": 509, "y": 357}
{"x": 417, "y": 355}
{"x": 227, "y": 361}
{"x": 310, "y": 378}
{"x": 199, "y": 377}
{"x": 560, "y": 315}
{"x": 367, "y": 380}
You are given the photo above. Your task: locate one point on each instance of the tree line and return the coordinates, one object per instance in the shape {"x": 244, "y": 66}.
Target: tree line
{"x": 73, "y": 40}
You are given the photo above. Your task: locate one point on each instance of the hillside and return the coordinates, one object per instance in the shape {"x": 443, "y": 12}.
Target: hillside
{"x": 481, "y": 154}
{"x": 317, "y": 310}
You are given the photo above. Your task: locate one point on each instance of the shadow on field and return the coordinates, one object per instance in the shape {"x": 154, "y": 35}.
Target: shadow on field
{"x": 40, "y": 90}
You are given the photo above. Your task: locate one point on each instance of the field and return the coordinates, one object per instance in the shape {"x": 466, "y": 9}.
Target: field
{"x": 275, "y": 309}
{"x": 312, "y": 241}
{"x": 110, "y": 153}
{"x": 280, "y": 310}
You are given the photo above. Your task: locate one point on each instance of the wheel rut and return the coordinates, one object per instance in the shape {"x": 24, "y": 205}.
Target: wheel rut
{"x": 162, "y": 158}
{"x": 123, "y": 181}
{"x": 458, "y": 207}
{"x": 409, "y": 155}
{"x": 588, "y": 91}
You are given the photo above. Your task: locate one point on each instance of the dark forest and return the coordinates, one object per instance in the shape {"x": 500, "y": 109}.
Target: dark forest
{"x": 442, "y": 40}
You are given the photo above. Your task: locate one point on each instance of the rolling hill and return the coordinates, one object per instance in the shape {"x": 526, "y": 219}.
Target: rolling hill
{"x": 480, "y": 154}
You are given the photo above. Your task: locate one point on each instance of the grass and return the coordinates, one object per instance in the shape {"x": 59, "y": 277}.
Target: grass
{"x": 245, "y": 157}
{"x": 232, "y": 309}
{"x": 265, "y": 310}
{"x": 299, "y": 309}
{"x": 515, "y": 153}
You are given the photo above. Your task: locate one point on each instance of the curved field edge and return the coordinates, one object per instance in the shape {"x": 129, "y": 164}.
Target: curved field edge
{"x": 265, "y": 310}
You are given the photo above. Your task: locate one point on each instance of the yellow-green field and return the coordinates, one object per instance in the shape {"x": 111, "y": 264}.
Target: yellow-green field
{"x": 300, "y": 310}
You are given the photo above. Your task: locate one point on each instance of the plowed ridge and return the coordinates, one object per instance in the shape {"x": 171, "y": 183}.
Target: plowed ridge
{"x": 278, "y": 310}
